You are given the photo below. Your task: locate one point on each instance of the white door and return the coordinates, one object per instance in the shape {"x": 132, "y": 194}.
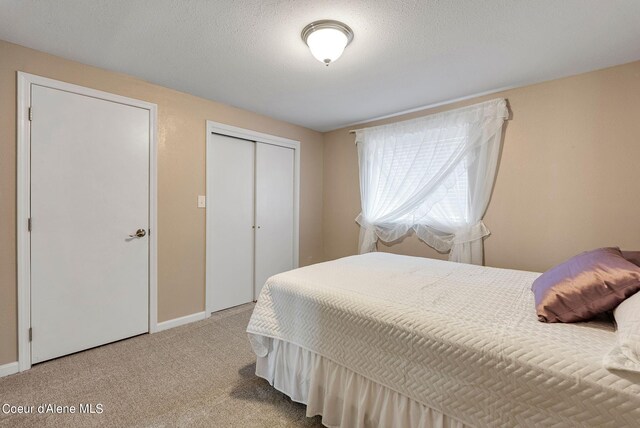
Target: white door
{"x": 230, "y": 221}
{"x": 89, "y": 192}
{"x": 274, "y": 212}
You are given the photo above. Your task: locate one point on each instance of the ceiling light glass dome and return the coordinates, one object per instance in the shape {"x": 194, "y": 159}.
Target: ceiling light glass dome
{"x": 327, "y": 39}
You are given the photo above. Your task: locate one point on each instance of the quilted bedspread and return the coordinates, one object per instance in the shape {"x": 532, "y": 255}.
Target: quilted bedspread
{"x": 461, "y": 339}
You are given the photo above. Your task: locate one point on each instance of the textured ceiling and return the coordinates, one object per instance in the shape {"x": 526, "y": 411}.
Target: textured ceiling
{"x": 405, "y": 53}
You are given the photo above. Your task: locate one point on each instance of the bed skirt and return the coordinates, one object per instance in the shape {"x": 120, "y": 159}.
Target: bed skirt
{"x": 344, "y": 398}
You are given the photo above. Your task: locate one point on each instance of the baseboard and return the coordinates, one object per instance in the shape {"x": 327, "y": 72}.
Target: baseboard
{"x": 12, "y": 368}
{"x": 9, "y": 369}
{"x": 165, "y": 325}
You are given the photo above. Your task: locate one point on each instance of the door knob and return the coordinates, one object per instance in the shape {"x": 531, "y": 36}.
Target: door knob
{"x": 139, "y": 234}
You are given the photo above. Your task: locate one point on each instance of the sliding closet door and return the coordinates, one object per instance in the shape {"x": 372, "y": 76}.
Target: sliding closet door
{"x": 230, "y": 233}
{"x": 274, "y": 212}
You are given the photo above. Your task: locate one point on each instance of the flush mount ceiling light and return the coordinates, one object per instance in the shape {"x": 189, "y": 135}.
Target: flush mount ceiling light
{"x": 327, "y": 39}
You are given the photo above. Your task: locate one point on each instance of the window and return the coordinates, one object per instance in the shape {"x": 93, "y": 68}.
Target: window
{"x": 433, "y": 175}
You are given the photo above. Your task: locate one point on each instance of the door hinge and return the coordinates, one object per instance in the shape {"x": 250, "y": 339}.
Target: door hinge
{"x": 30, "y": 114}
{"x": 29, "y": 224}
{"x": 30, "y": 334}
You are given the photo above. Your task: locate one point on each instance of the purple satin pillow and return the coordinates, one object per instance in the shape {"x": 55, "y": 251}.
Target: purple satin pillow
{"x": 584, "y": 286}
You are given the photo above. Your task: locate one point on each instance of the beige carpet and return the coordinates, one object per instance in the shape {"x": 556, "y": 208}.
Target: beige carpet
{"x": 201, "y": 375}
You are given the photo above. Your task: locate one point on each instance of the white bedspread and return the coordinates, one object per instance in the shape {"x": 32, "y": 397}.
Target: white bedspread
{"x": 461, "y": 339}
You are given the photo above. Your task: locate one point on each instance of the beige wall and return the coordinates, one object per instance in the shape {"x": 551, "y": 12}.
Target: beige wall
{"x": 181, "y": 177}
{"x": 568, "y": 179}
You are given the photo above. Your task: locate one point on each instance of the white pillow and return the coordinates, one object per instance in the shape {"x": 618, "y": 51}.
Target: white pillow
{"x": 626, "y": 354}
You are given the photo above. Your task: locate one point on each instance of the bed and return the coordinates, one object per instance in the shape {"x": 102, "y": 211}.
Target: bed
{"x": 398, "y": 341}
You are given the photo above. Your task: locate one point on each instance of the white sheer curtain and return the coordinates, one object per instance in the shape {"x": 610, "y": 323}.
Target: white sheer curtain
{"x": 433, "y": 175}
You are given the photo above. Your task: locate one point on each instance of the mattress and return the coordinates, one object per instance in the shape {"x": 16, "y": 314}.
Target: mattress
{"x": 461, "y": 339}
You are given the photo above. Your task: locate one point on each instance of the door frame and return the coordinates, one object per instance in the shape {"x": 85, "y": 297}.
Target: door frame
{"x": 258, "y": 137}
{"x": 24, "y": 81}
